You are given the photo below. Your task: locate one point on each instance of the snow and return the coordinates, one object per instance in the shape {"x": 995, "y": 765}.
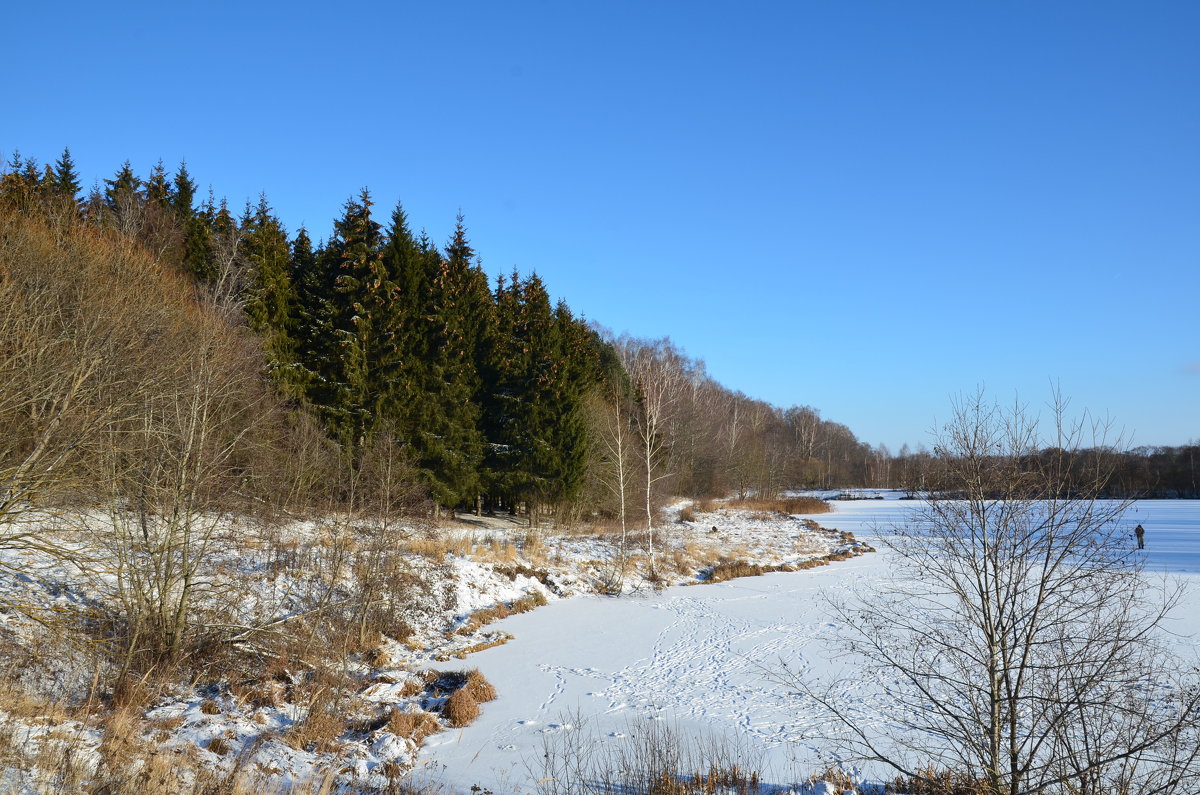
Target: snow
{"x": 706, "y": 660}
{"x": 703, "y": 659}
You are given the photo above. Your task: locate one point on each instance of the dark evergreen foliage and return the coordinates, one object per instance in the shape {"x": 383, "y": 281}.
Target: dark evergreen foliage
{"x": 489, "y": 394}
{"x": 66, "y": 178}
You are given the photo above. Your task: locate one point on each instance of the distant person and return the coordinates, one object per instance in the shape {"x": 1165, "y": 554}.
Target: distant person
{"x": 1140, "y": 532}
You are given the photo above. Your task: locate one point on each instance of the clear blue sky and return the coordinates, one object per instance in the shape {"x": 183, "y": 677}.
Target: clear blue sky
{"x": 866, "y": 207}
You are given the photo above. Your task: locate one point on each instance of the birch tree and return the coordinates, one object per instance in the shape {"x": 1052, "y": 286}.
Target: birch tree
{"x": 656, "y": 370}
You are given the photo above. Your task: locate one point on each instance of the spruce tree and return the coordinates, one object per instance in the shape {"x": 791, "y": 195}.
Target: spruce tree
{"x": 342, "y": 317}
{"x": 270, "y": 298}
{"x": 158, "y": 189}
{"x": 543, "y": 365}
{"x": 121, "y": 187}
{"x": 183, "y": 193}
{"x": 308, "y": 283}
{"x": 447, "y": 442}
{"x": 21, "y": 184}
{"x": 66, "y": 178}
{"x": 404, "y": 343}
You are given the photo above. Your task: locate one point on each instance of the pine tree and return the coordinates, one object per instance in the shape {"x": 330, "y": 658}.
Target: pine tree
{"x": 21, "y": 184}
{"x": 447, "y": 441}
{"x": 270, "y": 299}
{"x": 158, "y": 189}
{"x": 183, "y": 193}
{"x": 122, "y": 186}
{"x": 66, "y": 178}
{"x": 341, "y": 315}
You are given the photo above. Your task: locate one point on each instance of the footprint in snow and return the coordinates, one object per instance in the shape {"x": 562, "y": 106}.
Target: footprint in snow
{"x": 527, "y": 723}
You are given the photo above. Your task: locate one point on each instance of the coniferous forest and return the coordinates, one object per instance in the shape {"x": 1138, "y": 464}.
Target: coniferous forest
{"x": 376, "y": 340}
{"x": 373, "y": 337}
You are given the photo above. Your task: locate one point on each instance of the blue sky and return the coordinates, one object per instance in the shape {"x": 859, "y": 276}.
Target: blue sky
{"x": 866, "y": 207}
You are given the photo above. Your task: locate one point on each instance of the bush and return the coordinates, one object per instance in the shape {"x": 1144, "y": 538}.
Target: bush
{"x": 932, "y": 781}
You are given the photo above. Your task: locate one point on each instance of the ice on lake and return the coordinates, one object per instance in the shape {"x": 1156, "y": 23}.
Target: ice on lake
{"x": 702, "y": 658}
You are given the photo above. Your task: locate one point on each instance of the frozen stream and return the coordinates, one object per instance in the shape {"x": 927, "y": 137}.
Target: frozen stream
{"x": 697, "y": 657}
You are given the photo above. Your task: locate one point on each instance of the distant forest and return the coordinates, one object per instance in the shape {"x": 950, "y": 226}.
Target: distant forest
{"x": 370, "y": 363}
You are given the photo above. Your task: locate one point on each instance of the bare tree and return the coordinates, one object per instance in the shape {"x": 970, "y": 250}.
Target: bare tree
{"x": 169, "y": 482}
{"x": 1019, "y": 643}
{"x": 613, "y": 436}
{"x": 657, "y": 371}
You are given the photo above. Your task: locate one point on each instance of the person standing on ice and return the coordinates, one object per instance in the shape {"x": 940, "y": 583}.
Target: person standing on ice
{"x": 1140, "y": 532}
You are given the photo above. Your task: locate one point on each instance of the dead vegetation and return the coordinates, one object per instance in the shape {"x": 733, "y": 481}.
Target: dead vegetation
{"x": 481, "y": 618}
{"x": 781, "y": 506}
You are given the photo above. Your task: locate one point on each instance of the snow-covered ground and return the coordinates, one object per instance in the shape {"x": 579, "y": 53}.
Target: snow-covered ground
{"x": 705, "y": 659}
{"x": 702, "y": 660}
{"x": 478, "y": 565}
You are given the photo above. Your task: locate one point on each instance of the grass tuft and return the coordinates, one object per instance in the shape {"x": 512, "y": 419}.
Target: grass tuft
{"x": 460, "y": 709}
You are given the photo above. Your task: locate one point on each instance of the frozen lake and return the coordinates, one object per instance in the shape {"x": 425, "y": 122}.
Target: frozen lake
{"x": 701, "y": 658}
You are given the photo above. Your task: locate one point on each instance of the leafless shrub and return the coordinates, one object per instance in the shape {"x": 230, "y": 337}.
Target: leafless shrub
{"x": 323, "y": 696}
{"x": 930, "y": 780}
{"x": 655, "y": 760}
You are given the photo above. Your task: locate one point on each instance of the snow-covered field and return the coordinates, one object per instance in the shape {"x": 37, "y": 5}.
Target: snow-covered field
{"x": 583, "y": 669}
{"x": 704, "y": 659}
{"x": 258, "y": 724}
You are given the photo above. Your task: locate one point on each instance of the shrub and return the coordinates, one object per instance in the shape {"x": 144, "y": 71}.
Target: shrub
{"x": 687, "y": 514}
{"x": 933, "y": 781}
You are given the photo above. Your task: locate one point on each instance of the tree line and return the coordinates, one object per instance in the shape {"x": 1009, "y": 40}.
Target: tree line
{"x": 495, "y": 396}
{"x": 1137, "y": 473}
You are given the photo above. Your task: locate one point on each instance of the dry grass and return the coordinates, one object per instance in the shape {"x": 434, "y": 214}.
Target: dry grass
{"x": 495, "y": 550}
{"x": 219, "y": 746}
{"x": 462, "y": 654}
{"x": 785, "y": 506}
{"x": 520, "y": 570}
{"x": 687, "y": 514}
{"x": 437, "y": 548}
{"x": 479, "y": 687}
{"x": 840, "y": 780}
{"x": 933, "y": 781}
{"x": 686, "y": 558}
{"x": 460, "y": 709}
{"x": 319, "y": 730}
{"x": 481, "y": 618}
{"x": 325, "y": 720}
{"x": 739, "y": 568}
{"x": 416, "y": 726}
{"x": 533, "y": 547}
